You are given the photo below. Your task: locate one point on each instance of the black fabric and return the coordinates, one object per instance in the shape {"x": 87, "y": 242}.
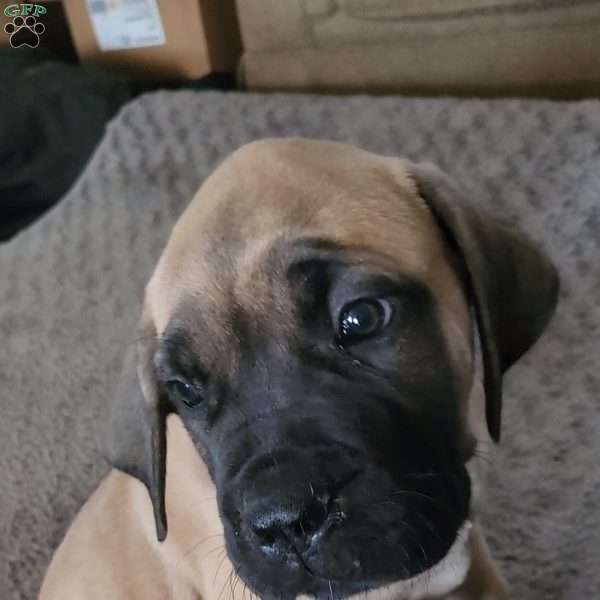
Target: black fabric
{"x": 52, "y": 115}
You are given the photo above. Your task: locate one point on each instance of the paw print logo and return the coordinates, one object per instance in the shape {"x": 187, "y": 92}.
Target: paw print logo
{"x": 24, "y": 32}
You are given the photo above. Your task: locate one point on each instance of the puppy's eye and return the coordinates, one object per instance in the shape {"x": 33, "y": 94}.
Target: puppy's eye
{"x": 185, "y": 391}
{"x": 364, "y": 318}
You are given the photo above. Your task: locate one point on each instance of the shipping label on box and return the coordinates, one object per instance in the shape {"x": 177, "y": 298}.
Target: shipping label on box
{"x": 123, "y": 24}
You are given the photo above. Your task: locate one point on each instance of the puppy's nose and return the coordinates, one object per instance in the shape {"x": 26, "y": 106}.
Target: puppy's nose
{"x": 284, "y": 526}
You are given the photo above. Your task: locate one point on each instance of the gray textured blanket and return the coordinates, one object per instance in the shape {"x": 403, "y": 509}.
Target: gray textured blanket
{"x": 70, "y": 290}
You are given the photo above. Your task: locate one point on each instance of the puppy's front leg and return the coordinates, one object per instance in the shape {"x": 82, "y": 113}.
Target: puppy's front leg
{"x": 484, "y": 581}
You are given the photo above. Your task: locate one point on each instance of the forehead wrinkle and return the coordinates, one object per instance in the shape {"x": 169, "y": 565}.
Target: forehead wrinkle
{"x": 260, "y": 289}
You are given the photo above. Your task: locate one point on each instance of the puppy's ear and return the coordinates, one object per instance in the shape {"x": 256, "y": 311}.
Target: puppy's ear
{"x": 513, "y": 285}
{"x": 138, "y": 422}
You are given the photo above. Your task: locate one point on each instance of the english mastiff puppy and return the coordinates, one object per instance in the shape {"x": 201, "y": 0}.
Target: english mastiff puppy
{"x": 317, "y": 373}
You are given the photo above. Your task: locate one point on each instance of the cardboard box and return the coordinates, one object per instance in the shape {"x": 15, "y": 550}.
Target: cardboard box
{"x": 159, "y": 39}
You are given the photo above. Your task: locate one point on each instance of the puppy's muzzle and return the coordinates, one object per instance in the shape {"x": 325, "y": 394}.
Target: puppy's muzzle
{"x": 332, "y": 512}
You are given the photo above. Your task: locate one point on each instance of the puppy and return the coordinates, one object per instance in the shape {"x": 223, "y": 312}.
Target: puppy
{"x": 301, "y": 413}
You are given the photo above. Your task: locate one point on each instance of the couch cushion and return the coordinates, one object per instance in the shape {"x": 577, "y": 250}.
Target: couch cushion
{"x": 431, "y": 46}
{"x": 71, "y": 288}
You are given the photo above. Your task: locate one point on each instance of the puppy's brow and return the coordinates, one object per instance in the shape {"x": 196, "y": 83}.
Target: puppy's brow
{"x": 311, "y": 258}
{"x": 175, "y": 356}
{"x": 316, "y": 243}
{"x": 312, "y": 248}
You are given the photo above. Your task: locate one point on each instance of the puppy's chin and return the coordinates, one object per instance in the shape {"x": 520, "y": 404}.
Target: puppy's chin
{"x": 441, "y": 579}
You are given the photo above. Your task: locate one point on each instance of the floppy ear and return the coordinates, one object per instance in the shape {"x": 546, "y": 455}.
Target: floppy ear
{"x": 513, "y": 285}
{"x": 138, "y": 423}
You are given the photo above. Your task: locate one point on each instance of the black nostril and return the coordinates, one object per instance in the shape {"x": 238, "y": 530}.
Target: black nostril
{"x": 286, "y": 512}
{"x": 312, "y": 518}
{"x": 267, "y": 537}
{"x": 285, "y": 527}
